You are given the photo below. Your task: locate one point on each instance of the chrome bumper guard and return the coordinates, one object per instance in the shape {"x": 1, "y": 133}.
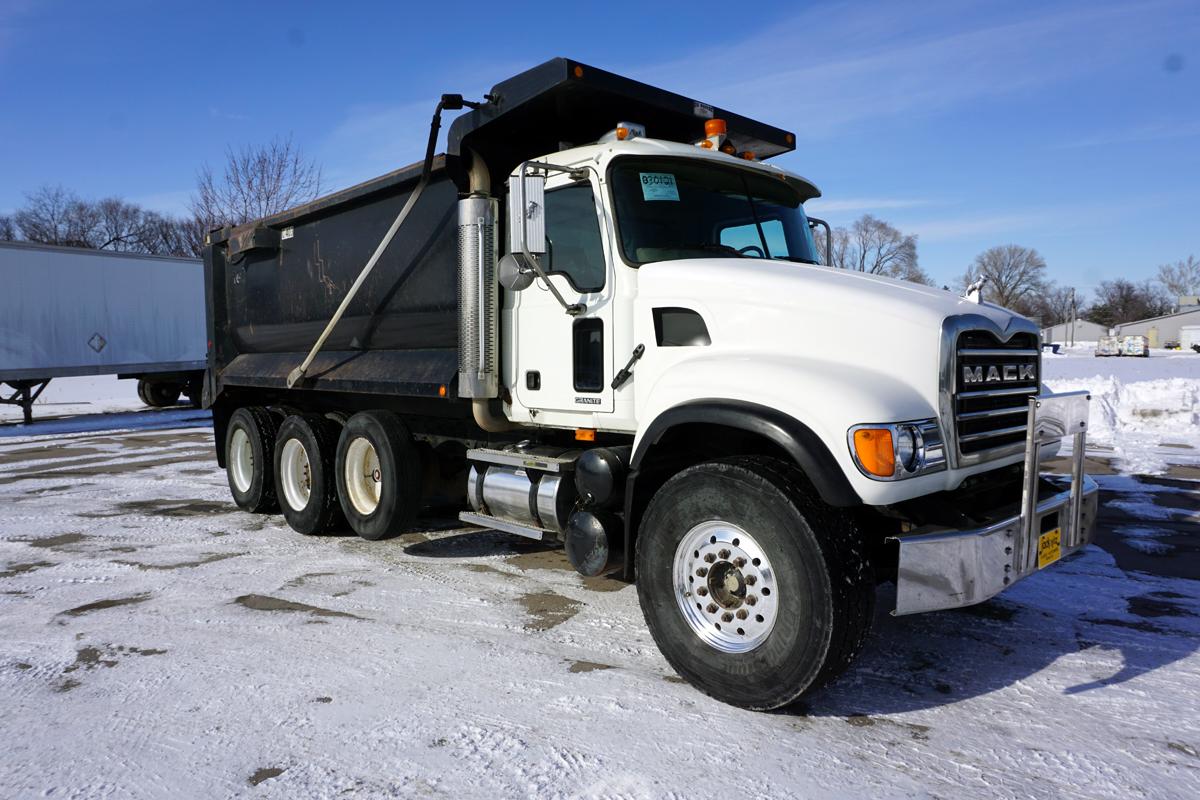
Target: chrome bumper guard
{"x": 955, "y": 568}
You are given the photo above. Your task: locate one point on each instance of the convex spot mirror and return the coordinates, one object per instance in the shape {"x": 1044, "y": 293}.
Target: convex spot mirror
{"x": 514, "y": 273}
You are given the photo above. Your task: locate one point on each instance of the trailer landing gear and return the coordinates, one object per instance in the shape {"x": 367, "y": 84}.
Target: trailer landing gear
{"x": 24, "y": 394}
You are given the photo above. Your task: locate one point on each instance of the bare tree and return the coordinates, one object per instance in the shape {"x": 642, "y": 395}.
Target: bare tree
{"x": 122, "y": 226}
{"x": 256, "y": 182}
{"x": 1122, "y": 301}
{"x": 1016, "y": 277}
{"x": 1055, "y": 304}
{"x": 1182, "y": 277}
{"x": 54, "y": 215}
{"x": 174, "y": 236}
{"x": 872, "y": 245}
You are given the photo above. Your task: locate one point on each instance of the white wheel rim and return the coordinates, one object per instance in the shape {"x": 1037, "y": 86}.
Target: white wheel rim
{"x": 295, "y": 474}
{"x": 364, "y": 479}
{"x": 725, "y": 587}
{"x": 241, "y": 459}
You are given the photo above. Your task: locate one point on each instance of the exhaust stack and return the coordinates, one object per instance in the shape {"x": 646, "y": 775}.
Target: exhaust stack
{"x": 478, "y": 297}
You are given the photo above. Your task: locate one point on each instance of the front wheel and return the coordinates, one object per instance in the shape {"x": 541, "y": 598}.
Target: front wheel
{"x": 754, "y": 590}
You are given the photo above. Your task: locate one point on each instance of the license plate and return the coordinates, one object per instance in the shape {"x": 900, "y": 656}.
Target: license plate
{"x": 1049, "y": 547}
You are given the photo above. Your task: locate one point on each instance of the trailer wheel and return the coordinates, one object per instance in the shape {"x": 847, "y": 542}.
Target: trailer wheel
{"x": 754, "y": 590}
{"x": 378, "y": 475}
{"x": 249, "y": 459}
{"x": 162, "y": 395}
{"x": 304, "y": 473}
{"x": 141, "y": 389}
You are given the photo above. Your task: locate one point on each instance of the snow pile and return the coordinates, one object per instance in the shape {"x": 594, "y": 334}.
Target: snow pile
{"x": 1139, "y": 407}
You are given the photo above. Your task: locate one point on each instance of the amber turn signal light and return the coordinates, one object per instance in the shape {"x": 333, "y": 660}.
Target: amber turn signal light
{"x": 585, "y": 434}
{"x": 875, "y": 451}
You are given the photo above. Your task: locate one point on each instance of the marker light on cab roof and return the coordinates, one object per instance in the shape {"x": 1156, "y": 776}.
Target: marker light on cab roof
{"x": 624, "y": 132}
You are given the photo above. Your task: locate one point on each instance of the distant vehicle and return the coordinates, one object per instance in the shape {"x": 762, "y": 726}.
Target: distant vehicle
{"x": 1137, "y": 346}
{"x": 1123, "y": 346}
{"x": 1189, "y": 338}
{"x": 68, "y": 311}
{"x": 1172, "y": 346}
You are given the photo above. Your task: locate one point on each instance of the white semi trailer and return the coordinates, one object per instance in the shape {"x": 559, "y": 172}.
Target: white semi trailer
{"x": 69, "y": 311}
{"x": 603, "y": 313}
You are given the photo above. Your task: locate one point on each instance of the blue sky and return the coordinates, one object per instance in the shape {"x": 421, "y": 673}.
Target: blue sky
{"x": 1071, "y": 127}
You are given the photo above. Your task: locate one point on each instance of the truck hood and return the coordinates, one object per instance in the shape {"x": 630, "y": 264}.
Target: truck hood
{"x": 865, "y": 328}
{"x": 798, "y": 286}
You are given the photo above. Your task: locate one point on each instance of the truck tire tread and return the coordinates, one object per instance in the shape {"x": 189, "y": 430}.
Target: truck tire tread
{"x": 262, "y": 427}
{"x": 779, "y": 671}
{"x": 400, "y": 499}
{"x": 323, "y": 513}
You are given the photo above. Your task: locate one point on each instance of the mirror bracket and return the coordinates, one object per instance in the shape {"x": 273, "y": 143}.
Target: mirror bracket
{"x": 511, "y": 268}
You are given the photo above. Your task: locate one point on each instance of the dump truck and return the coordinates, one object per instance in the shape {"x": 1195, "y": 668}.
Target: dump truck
{"x": 71, "y": 311}
{"x": 600, "y": 319}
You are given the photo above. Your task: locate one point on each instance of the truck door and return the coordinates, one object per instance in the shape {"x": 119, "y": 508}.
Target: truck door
{"x": 565, "y": 363}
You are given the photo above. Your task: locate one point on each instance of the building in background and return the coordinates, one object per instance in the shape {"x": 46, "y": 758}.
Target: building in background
{"x": 1160, "y": 330}
{"x": 1081, "y": 330}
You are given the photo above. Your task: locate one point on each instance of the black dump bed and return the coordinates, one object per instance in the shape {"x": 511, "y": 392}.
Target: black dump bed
{"x": 273, "y": 285}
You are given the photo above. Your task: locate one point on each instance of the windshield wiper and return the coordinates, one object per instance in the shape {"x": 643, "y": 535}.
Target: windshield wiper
{"x": 713, "y": 247}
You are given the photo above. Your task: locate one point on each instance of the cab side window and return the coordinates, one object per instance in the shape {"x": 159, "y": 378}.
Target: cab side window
{"x": 574, "y": 246}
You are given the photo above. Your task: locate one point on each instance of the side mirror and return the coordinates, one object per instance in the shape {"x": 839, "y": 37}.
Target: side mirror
{"x": 527, "y": 213}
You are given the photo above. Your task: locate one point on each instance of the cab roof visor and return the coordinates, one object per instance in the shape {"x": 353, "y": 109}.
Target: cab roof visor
{"x": 562, "y": 100}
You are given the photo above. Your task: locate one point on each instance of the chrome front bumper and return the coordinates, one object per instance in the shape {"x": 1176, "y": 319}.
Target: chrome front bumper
{"x": 955, "y": 568}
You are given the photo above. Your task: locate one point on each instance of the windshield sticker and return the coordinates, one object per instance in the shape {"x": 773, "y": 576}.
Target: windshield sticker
{"x": 658, "y": 186}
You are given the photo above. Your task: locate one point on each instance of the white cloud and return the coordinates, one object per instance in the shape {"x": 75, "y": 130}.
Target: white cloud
{"x": 169, "y": 202}
{"x": 830, "y": 67}
{"x": 372, "y": 140}
{"x": 945, "y": 229}
{"x": 1151, "y": 132}
{"x": 865, "y": 204}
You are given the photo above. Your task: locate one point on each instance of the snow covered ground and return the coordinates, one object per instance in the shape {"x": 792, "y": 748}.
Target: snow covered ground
{"x": 156, "y": 642}
{"x": 1146, "y": 411}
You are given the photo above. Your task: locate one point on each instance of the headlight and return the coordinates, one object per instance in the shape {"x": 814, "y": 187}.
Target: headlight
{"x": 898, "y": 450}
{"x": 908, "y": 456}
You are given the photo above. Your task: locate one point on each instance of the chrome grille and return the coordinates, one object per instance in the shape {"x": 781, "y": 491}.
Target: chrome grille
{"x": 992, "y": 384}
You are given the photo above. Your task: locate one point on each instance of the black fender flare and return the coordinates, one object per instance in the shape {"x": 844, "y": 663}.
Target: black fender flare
{"x": 796, "y": 439}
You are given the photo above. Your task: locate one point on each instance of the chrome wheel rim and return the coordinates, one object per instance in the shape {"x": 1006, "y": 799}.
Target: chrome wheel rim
{"x": 295, "y": 472}
{"x": 241, "y": 460}
{"x": 725, "y": 587}
{"x": 364, "y": 479}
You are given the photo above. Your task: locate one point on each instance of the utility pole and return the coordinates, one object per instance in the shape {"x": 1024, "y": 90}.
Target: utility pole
{"x": 1072, "y": 335}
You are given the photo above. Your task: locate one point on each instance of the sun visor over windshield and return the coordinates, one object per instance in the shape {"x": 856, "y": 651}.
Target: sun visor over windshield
{"x": 565, "y": 103}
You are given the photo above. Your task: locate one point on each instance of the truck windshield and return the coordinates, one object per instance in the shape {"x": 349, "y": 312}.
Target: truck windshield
{"x": 672, "y": 208}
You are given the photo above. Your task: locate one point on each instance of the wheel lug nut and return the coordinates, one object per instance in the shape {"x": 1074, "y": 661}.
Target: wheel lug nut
{"x": 751, "y": 580}
{"x": 702, "y": 592}
{"x": 751, "y": 600}
{"x": 723, "y": 554}
{"x": 739, "y": 562}
{"x": 709, "y": 558}
{"x": 712, "y": 608}
{"x": 702, "y": 571}
{"x": 742, "y": 613}
{"x": 727, "y": 617}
